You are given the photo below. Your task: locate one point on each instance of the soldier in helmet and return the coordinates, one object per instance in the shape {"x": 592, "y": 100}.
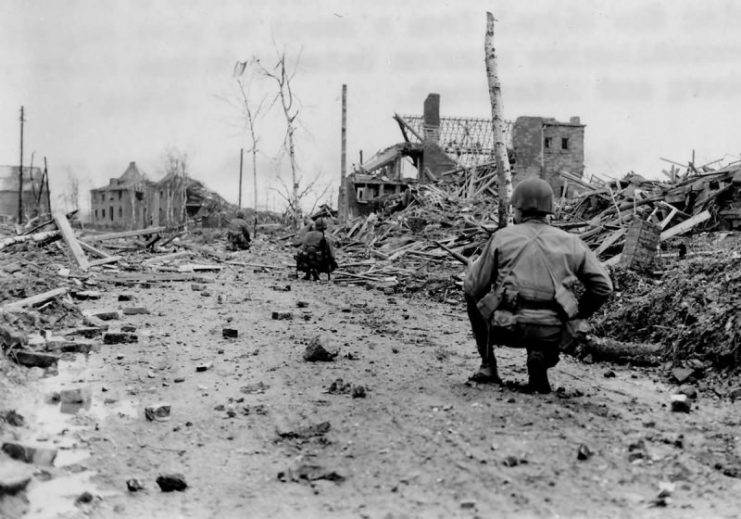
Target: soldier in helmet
{"x": 316, "y": 254}
{"x": 519, "y": 292}
{"x": 238, "y": 233}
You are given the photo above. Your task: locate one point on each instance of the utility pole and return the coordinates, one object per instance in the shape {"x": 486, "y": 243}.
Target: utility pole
{"x": 343, "y": 157}
{"x": 20, "y": 175}
{"x": 241, "y": 160}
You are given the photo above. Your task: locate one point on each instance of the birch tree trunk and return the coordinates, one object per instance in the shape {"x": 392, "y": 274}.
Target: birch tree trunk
{"x": 500, "y": 147}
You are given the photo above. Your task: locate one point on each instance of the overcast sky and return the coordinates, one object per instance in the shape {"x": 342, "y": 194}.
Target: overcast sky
{"x": 106, "y": 82}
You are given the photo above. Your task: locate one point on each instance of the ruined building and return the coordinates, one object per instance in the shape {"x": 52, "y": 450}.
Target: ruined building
{"x": 437, "y": 147}
{"x": 133, "y": 201}
{"x": 35, "y": 193}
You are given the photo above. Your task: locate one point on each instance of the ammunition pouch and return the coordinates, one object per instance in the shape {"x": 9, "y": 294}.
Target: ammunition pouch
{"x": 504, "y": 319}
{"x": 566, "y": 301}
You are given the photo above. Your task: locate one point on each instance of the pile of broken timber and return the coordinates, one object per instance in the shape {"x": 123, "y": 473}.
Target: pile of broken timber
{"x": 697, "y": 201}
{"x": 401, "y": 248}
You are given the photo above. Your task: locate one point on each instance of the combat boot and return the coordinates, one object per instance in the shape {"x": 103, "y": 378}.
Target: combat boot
{"x": 537, "y": 373}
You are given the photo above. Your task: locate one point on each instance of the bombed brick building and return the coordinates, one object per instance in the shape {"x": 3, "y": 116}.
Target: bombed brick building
{"x": 133, "y": 201}
{"x": 543, "y": 146}
{"x": 437, "y": 148}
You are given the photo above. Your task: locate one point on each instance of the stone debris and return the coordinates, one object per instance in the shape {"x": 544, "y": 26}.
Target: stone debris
{"x": 513, "y": 461}
{"x": 583, "y": 453}
{"x": 172, "y": 482}
{"x": 86, "y": 294}
{"x": 14, "y": 476}
{"x": 282, "y": 316}
{"x": 84, "y": 498}
{"x": 136, "y": 310}
{"x": 315, "y": 352}
{"x": 157, "y": 412}
{"x": 120, "y": 338}
{"x": 302, "y": 304}
{"x": 358, "y": 392}
{"x": 75, "y": 396}
{"x": 680, "y": 403}
{"x": 307, "y": 431}
{"x": 229, "y": 333}
{"x": 107, "y": 315}
{"x": 34, "y": 359}
{"x": 305, "y": 473}
{"x": 134, "y": 485}
{"x": 30, "y": 454}
{"x": 125, "y": 297}
{"x": 204, "y": 367}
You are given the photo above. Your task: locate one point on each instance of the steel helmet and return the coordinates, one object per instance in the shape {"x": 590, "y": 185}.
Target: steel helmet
{"x": 241, "y": 214}
{"x": 320, "y": 224}
{"x": 533, "y": 195}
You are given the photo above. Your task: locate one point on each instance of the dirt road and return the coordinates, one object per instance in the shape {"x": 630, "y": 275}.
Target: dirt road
{"x": 422, "y": 443}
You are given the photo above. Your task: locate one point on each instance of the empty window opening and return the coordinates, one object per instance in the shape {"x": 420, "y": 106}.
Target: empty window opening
{"x": 111, "y": 212}
{"x": 564, "y": 143}
{"x": 547, "y": 142}
{"x": 120, "y": 212}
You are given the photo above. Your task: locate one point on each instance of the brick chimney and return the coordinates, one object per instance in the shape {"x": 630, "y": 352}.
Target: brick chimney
{"x": 431, "y": 125}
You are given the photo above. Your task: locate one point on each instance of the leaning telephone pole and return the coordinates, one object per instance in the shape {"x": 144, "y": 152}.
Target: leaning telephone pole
{"x": 20, "y": 175}
{"x": 342, "y": 209}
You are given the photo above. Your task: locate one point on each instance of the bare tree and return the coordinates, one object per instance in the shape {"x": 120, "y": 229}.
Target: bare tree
{"x": 175, "y": 165}
{"x": 72, "y": 198}
{"x": 253, "y": 110}
{"x": 283, "y": 77}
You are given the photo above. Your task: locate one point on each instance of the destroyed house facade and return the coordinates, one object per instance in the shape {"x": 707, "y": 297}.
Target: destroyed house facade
{"x": 35, "y": 193}
{"x": 545, "y": 147}
{"x": 448, "y": 148}
{"x": 133, "y": 201}
{"x": 122, "y": 203}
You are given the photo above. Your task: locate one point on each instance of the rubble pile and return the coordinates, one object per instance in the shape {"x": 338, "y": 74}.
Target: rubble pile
{"x": 399, "y": 252}
{"x": 45, "y": 272}
{"x": 697, "y": 200}
{"x": 692, "y": 311}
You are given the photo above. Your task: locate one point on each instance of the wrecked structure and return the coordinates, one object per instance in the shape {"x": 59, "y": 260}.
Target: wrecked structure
{"x": 35, "y": 192}
{"x": 133, "y": 201}
{"x": 447, "y": 149}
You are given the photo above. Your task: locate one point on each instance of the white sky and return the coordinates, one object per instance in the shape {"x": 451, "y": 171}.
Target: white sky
{"x": 106, "y": 82}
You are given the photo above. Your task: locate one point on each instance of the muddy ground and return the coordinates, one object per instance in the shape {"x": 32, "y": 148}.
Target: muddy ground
{"x": 422, "y": 443}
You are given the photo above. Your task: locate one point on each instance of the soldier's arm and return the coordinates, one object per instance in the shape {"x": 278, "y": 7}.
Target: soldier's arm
{"x": 482, "y": 272}
{"x": 596, "y": 281}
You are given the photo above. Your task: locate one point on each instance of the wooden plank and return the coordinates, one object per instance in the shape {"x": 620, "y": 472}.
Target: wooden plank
{"x": 92, "y": 250}
{"x": 69, "y": 237}
{"x": 609, "y": 241}
{"x": 41, "y": 236}
{"x": 124, "y": 234}
{"x": 167, "y": 257}
{"x": 105, "y": 261}
{"x": 685, "y": 226}
{"x": 35, "y": 300}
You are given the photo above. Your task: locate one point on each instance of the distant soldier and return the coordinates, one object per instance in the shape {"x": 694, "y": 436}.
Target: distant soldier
{"x": 519, "y": 292}
{"x": 308, "y": 226}
{"x": 238, "y": 233}
{"x": 316, "y": 254}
